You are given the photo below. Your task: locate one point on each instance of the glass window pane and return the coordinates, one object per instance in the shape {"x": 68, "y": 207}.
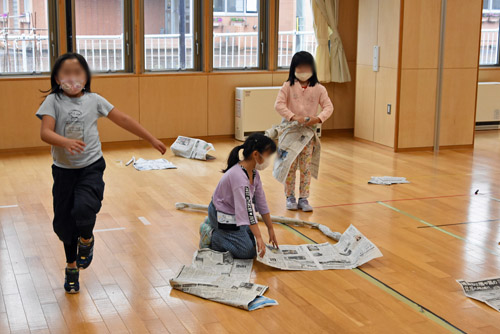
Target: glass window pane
{"x": 219, "y": 5}
{"x": 252, "y": 6}
{"x": 486, "y": 4}
{"x": 99, "y": 34}
{"x": 166, "y": 35}
{"x": 235, "y": 6}
{"x": 24, "y": 31}
{"x": 236, "y": 37}
{"x": 295, "y": 30}
{"x": 495, "y": 5}
{"x": 489, "y": 39}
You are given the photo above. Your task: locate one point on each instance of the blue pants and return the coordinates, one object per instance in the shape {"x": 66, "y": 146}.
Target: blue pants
{"x": 240, "y": 243}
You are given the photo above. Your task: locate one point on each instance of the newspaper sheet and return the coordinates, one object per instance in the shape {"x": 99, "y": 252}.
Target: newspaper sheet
{"x": 218, "y": 277}
{"x": 387, "y": 180}
{"x": 192, "y": 148}
{"x": 158, "y": 164}
{"x": 486, "y": 291}
{"x": 352, "y": 250}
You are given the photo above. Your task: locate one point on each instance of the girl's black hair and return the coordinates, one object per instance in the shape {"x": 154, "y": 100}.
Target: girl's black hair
{"x": 55, "y": 88}
{"x": 255, "y": 142}
{"x": 303, "y": 58}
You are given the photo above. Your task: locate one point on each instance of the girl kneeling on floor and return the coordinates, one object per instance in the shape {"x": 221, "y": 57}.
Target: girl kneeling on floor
{"x": 231, "y": 213}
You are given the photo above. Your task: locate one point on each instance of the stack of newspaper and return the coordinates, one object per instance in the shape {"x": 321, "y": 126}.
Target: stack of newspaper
{"x": 352, "y": 250}
{"x": 192, "y": 148}
{"x": 387, "y": 180}
{"x": 486, "y": 291}
{"x": 218, "y": 277}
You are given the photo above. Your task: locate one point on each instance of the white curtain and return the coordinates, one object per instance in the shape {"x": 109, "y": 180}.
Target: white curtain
{"x": 327, "y": 11}
{"x": 322, "y": 53}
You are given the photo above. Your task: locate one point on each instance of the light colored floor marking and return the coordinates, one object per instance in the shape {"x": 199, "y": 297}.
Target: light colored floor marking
{"x": 8, "y": 206}
{"x": 491, "y": 251}
{"x": 144, "y": 221}
{"x": 384, "y": 287}
{"x": 110, "y": 229}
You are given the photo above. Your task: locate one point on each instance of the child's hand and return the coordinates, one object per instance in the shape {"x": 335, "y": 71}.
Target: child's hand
{"x": 158, "y": 145}
{"x": 261, "y": 247}
{"x": 74, "y": 146}
{"x": 313, "y": 120}
{"x": 300, "y": 119}
{"x": 272, "y": 238}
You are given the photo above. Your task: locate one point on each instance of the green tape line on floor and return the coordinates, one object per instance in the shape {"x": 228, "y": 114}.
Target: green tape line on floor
{"x": 416, "y": 307}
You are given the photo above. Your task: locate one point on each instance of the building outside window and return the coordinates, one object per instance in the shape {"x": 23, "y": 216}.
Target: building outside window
{"x": 489, "y": 49}
{"x": 295, "y": 30}
{"x": 24, "y": 36}
{"x": 166, "y": 45}
{"x": 237, "y": 34}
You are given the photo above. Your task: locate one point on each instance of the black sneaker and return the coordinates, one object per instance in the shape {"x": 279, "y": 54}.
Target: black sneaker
{"x": 85, "y": 253}
{"x": 71, "y": 284}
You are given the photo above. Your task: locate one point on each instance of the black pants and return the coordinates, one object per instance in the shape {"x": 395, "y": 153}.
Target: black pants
{"x": 77, "y": 195}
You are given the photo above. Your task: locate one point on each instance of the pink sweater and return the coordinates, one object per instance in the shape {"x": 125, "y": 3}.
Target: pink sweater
{"x": 295, "y": 100}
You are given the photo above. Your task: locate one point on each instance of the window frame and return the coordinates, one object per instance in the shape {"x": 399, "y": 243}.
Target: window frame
{"x": 197, "y": 42}
{"x": 53, "y": 38}
{"x": 128, "y": 35}
{"x": 262, "y": 35}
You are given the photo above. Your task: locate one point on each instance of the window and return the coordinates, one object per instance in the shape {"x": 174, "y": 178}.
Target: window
{"x": 238, "y": 34}
{"x": 24, "y": 36}
{"x": 295, "y": 30}
{"x": 490, "y": 28}
{"x": 102, "y": 32}
{"x": 170, "y": 35}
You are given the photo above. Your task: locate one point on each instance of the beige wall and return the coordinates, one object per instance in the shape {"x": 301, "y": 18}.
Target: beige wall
{"x": 378, "y": 25}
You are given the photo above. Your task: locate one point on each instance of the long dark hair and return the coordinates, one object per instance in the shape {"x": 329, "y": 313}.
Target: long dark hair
{"x": 255, "y": 142}
{"x": 303, "y": 58}
{"x": 55, "y": 88}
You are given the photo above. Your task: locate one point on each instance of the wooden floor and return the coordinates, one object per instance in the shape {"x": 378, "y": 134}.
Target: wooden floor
{"x": 412, "y": 289}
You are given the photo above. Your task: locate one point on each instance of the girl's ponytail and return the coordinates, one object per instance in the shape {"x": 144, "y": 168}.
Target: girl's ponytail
{"x": 234, "y": 157}
{"x": 255, "y": 142}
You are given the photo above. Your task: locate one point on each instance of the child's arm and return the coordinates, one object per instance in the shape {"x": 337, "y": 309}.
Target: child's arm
{"x": 131, "y": 125}
{"x": 270, "y": 229}
{"x": 48, "y": 135}
{"x": 261, "y": 246}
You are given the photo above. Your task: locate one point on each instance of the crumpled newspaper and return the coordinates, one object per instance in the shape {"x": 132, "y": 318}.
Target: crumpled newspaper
{"x": 158, "y": 164}
{"x": 387, "y": 180}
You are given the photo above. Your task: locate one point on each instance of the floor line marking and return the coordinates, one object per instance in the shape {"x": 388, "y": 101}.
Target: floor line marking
{"x": 391, "y": 291}
{"x": 144, "y": 221}
{"x": 110, "y": 229}
{"x": 464, "y": 223}
{"x": 491, "y": 251}
{"x": 8, "y": 206}
{"x": 391, "y": 200}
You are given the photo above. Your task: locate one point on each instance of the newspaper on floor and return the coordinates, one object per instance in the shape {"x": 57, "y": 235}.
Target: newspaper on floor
{"x": 142, "y": 164}
{"x": 218, "y": 277}
{"x": 486, "y": 291}
{"x": 387, "y": 180}
{"x": 192, "y": 148}
{"x": 352, "y": 250}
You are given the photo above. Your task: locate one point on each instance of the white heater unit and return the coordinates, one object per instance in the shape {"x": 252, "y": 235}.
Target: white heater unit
{"x": 488, "y": 106}
{"x": 254, "y": 110}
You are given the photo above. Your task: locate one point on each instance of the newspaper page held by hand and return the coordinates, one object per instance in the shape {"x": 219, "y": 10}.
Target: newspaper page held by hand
{"x": 218, "y": 277}
{"x": 352, "y": 250}
{"x": 486, "y": 291}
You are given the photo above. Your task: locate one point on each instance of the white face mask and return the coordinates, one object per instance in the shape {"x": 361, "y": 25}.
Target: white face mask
{"x": 263, "y": 165}
{"x": 72, "y": 86}
{"x": 303, "y": 76}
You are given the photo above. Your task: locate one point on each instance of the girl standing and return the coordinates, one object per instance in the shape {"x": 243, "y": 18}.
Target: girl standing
{"x": 231, "y": 213}
{"x": 69, "y": 117}
{"x": 298, "y": 100}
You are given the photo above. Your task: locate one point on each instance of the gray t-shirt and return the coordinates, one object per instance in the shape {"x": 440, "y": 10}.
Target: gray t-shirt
{"x": 76, "y": 118}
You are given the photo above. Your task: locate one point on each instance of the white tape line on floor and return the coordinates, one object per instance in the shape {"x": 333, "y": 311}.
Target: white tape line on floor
{"x": 110, "y": 229}
{"x": 144, "y": 221}
{"x": 8, "y": 206}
